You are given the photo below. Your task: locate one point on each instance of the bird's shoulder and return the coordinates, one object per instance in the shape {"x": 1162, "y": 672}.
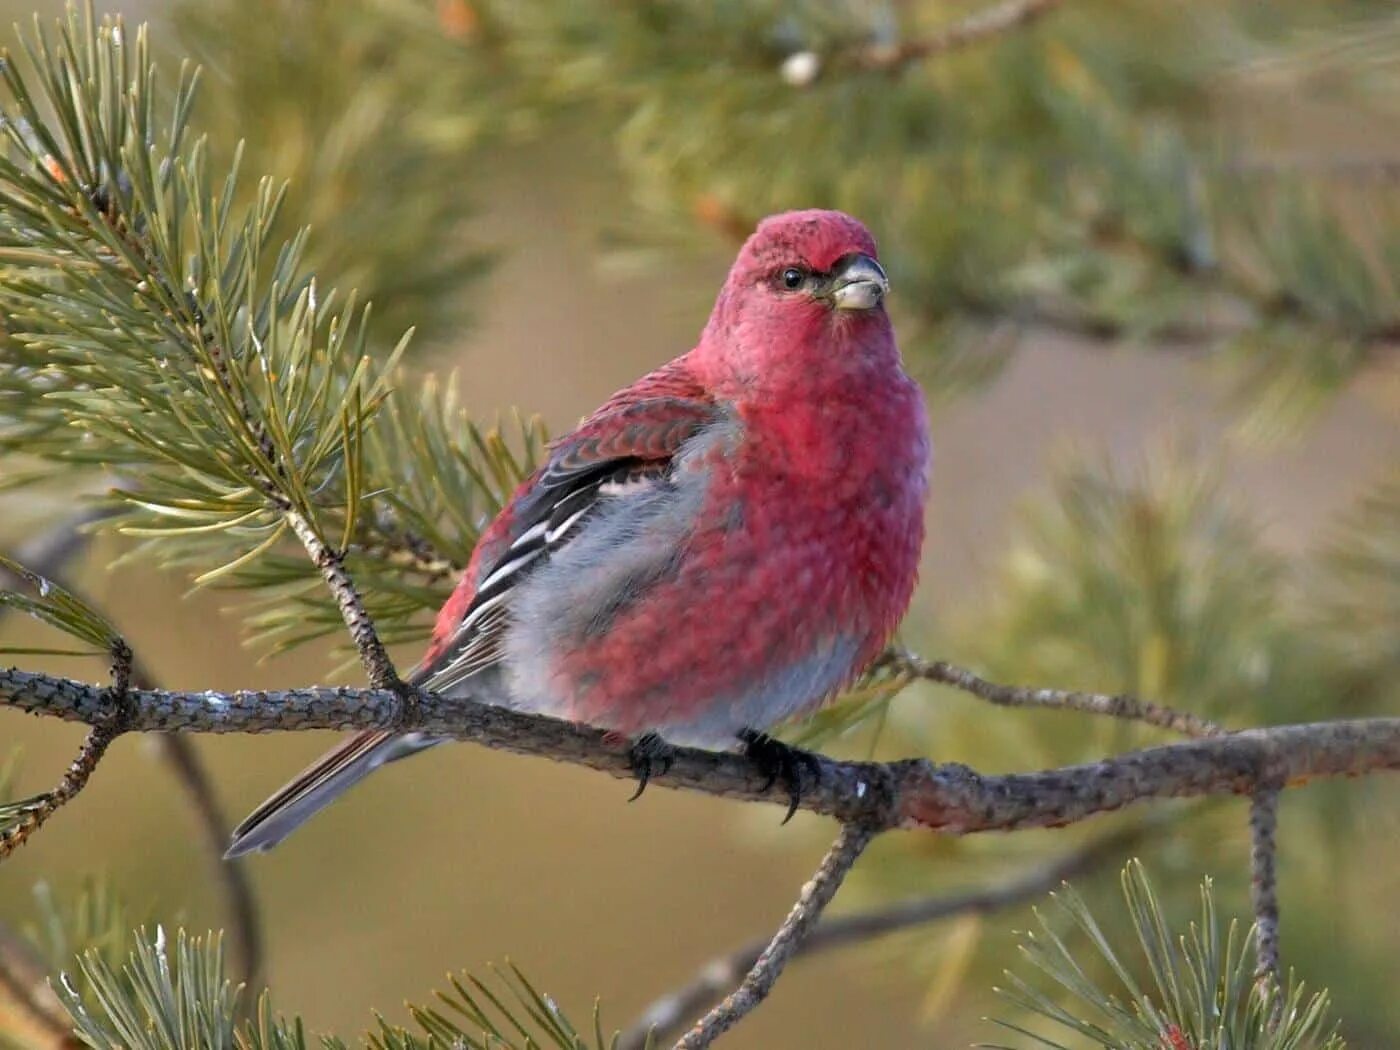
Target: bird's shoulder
{"x": 626, "y": 444}
{"x": 646, "y": 421}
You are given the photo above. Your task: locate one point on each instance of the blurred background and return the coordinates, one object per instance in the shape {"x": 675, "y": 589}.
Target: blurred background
{"x": 1145, "y": 260}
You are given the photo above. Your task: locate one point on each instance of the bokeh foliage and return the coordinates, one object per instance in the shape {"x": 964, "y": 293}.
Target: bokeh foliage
{"x": 1097, "y": 174}
{"x": 1198, "y": 991}
{"x": 1094, "y": 172}
{"x": 1199, "y": 988}
{"x": 375, "y": 117}
{"x": 161, "y": 333}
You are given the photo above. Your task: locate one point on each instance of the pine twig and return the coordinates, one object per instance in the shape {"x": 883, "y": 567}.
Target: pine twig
{"x": 1119, "y": 705}
{"x": 373, "y": 656}
{"x": 30, "y": 1012}
{"x": 993, "y": 21}
{"x": 802, "y": 68}
{"x": 108, "y": 722}
{"x": 42, "y": 807}
{"x": 47, "y": 554}
{"x": 410, "y": 552}
{"x": 136, "y": 255}
{"x": 759, "y": 981}
{"x": 1263, "y": 828}
{"x": 664, "y": 1017}
{"x": 240, "y": 901}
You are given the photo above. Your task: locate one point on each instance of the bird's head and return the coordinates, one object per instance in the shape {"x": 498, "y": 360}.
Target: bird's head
{"x": 805, "y": 283}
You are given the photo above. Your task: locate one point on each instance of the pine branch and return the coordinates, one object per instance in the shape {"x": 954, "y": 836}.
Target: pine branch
{"x": 29, "y": 1010}
{"x": 376, "y": 118}
{"x": 769, "y": 965}
{"x": 1129, "y": 708}
{"x": 171, "y": 993}
{"x": 374, "y": 657}
{"x": 912, "y": 793}
{"x": 159, "y": 1000}
{"x": 1082, "y": 184}
{"x": 59, "y": 608}
{"x": 993, "y": 21}
{"x": 668, "y": 1014}
{"x": 802, "y": 68}
{"x": 236, "y": 407}
{"x": 24, "y": 818}
{"x": 1190, "y": 990}
{"x": 1263, "y": 829}
{"x": 240, "y": 899}
{"x": 46, "y": 555}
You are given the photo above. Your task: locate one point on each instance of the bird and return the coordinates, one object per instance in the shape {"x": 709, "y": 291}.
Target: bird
{"x": 722, "y": 546}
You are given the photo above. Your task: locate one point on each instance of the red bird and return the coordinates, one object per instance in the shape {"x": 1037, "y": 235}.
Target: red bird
{"x": 722, "y": 545}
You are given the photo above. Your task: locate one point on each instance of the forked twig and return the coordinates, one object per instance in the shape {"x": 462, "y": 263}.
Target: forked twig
{"x": 759, "y": 981}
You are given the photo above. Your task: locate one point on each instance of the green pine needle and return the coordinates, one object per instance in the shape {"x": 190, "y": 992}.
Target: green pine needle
{"x": 60, "y": 609}
{"x": 162, "y": 333}
{"x": 172, "y": 994}
{"x": 1179, "y": 991}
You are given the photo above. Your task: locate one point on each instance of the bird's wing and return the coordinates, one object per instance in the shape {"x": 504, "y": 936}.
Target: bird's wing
{"x": 320, "y": 784}
{"x": 629, "y": 441}
{"x": 626, "y": 444}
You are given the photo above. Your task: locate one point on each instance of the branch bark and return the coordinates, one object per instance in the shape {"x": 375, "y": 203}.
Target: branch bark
{"x": 42, "y": 807}
{"x": 764, "y": 973}
{"x": 47, "y": 554}
{"x": 1263, "y": 829}
{"x": 664, "y": 1017}
{"x": 373, "y": 656}
{"x": 1120, "y": 705}
{"x": 912, "y": 793}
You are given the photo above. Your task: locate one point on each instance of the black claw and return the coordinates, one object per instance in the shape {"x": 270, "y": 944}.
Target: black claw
{"x": 779, "y": 762}
{"x": 649, "y": 754}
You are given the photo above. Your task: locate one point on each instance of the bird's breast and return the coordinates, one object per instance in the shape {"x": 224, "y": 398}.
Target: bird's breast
{"x": 833, "y": 487}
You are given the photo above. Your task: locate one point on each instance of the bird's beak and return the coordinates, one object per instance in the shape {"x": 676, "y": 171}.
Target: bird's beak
{"x": 859, "y": 283}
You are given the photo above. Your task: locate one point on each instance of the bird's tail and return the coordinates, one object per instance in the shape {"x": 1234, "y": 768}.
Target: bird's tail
{"x": 320, "y": 784}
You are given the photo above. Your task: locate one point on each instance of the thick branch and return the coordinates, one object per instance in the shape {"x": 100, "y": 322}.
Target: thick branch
{"x": 663, "y": 1018}
{"x": 759, "y": 981}
{"x": 912, "y": 793}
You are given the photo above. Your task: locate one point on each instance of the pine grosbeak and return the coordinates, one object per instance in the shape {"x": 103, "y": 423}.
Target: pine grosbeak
{"x": 722, "y": 545}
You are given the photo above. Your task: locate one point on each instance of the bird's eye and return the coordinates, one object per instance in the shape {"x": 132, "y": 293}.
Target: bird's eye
{"x": 792, "y": 277}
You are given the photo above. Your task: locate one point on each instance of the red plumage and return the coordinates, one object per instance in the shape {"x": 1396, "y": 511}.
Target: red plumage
{"x": 647, "y": 420}
{"x": 724, "y": 543}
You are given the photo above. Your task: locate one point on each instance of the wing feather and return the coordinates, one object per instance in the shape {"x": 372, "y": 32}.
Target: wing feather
{"x": 628, "y": 445}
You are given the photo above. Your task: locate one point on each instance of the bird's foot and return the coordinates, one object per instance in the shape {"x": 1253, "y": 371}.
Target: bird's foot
{"x": 780, "y": 763}
{"x": 649, "y": 754}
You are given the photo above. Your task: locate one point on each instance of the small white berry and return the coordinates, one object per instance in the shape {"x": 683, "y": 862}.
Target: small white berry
{"x": 801, "y": 68}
